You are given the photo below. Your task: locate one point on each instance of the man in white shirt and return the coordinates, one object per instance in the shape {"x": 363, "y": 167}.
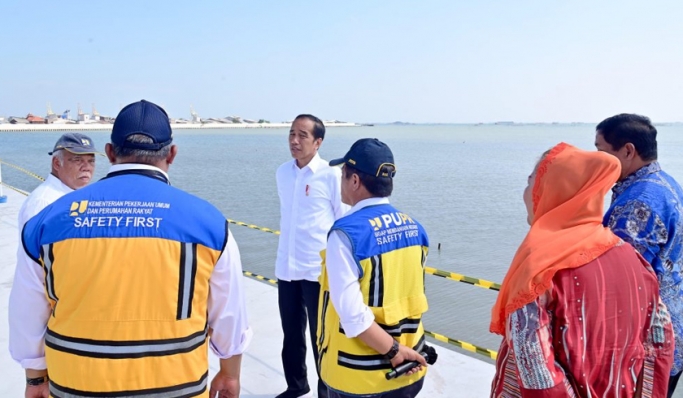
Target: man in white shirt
{"x": 73, "y": 164}
{"x": 310, "y": 201}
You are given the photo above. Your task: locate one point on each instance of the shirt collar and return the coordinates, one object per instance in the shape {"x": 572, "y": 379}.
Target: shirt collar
{"x": 53, "y": 180}
{"x": 136, "y": 166}
{"x": 313, "y": 165}
{"x": 368, "y": 202}
{"x": 639, "y": 174}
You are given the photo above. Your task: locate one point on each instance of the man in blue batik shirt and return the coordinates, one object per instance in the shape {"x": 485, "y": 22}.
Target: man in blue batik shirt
{"x": 647, "y": 212}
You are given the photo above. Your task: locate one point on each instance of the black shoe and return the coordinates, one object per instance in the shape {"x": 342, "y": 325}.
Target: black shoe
{"x": 296, "y": 394}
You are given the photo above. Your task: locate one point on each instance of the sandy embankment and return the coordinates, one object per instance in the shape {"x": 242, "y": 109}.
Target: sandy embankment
{"x": 175, "y": 126}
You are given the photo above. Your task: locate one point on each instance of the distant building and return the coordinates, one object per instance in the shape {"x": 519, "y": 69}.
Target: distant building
{"x": 83, "y": 118}
{"x": 51, "y": 118}
{"x": 33, "y": 119}
{"x": 18, "y": 120}
{"x": 62, "y": 121}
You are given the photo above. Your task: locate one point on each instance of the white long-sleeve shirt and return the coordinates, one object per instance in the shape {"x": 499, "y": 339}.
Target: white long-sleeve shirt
{"x": 310, "y": 202}
{"x": 34, "y": 302}
{"x": 227, "y": 314}
{"x": 50, "y": 190}
{"x": 342, "y": 275}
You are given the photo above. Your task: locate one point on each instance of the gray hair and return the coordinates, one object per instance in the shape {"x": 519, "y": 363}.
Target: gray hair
{"x": 59, "y": 154}
{"x": 144, "y": 156}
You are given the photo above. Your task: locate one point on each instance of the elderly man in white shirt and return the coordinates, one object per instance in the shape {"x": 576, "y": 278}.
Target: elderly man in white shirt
{"x": 310, "y": 202}
{"x": 73, "y": 164}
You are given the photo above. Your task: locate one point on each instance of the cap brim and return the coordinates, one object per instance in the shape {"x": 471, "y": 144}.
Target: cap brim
{"x": 77, "y": 151}
{"x": 80, "y": 151}
{"x": 337, "y": 162}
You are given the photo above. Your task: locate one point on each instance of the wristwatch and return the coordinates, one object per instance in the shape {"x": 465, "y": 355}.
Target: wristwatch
{"x": 36, "y": 381}
{"x": 392, "y": 351}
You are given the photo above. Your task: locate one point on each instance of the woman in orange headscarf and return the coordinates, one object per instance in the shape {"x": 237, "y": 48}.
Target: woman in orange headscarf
{"x": 579, "y": 309}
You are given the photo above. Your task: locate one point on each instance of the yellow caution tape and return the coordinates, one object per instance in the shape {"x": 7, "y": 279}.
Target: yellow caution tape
{"x": 252, "y": 226}
{"x": 432, "y": 271}
{"x": 462, "y": 278}
{"x": 464, "y": 345}
{"x": 32, "y": 174}
{"x": 439, "y": 337}
{"x": 260, "y": 277}
{"x": 16, "y": 189}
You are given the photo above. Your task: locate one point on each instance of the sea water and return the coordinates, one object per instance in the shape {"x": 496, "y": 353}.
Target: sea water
{"x": 464, "y": 183}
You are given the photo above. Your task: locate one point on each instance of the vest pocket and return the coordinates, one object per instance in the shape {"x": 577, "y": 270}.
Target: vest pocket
{"x": 407, "y": 307}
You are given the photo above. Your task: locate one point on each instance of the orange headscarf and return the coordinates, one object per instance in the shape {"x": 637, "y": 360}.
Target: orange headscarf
{"x": 566, "y": 230}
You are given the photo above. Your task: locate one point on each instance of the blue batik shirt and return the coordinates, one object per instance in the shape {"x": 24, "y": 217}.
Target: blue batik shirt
{"x": 647, "y": 212}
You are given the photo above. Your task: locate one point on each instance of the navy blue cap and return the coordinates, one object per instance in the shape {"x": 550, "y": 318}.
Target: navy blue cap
{"x": 142, "y": 117}
{"x": 75, "y": 143}
{"x": 371, "y": 156}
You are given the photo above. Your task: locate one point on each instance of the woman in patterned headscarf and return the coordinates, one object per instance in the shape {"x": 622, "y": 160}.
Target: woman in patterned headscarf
{"x": 579, "y": 309}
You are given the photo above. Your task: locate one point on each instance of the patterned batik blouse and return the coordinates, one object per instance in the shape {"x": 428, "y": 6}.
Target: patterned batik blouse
{"x": 646, "y": 211}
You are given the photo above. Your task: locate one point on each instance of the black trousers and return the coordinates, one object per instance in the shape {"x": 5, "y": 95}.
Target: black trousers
{"x": 410, "y": 391}
{"x": 298, "y": 300}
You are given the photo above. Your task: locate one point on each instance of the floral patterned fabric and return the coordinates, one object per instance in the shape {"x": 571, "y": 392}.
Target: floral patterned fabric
{"x": 647, "y": 212}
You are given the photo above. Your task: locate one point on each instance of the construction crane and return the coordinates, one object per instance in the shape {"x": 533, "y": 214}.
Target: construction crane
{"x": 95, "y": 113}
{"x": 49, "y": 110}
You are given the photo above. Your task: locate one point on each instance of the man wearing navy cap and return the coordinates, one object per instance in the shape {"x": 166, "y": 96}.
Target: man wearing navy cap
{"x": 135, "y": 274}
{"x": 372, "y": 284}
{"x": 73, "y": 165}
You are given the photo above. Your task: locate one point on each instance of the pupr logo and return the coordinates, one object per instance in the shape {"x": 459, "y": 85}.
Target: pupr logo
{"x": 392, "y": 219}
{"x": 376, "y": 223}
{"x": 85, "y": 142}
{"x": 78, "y": 208}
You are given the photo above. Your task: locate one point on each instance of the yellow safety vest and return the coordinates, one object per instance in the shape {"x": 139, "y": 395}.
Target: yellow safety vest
{"x": 392, "y": 284}
{"x": 129, "y": 302}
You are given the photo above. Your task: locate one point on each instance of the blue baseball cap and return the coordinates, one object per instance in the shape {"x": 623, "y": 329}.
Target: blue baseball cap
{"x": 371, "y": 156}
{"x": 142, "y": 117}
{"x": 76, "y": 143}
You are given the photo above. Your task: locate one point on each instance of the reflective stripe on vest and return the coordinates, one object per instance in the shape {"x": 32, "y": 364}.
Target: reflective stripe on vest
{"x": 376, "y": 283}
{"x": 404, "y": 326}
{"x": 188, "y": 272}
{"x": 370, "y": 362}
{"x": 124, "y": 349}
{"x": 191, "y": 389}
{"x": 48, "y": 257}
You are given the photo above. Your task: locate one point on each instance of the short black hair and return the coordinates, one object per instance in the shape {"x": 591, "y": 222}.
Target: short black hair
{"x": 379, "y": 187}
{"x": 318, "y": 126}
{"x": 621, "y": 129}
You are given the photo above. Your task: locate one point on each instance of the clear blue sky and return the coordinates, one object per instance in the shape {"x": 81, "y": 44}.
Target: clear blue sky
{"x": 416, "y": 61}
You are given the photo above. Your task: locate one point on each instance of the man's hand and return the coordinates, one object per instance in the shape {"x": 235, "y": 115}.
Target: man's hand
{"x": 406, "y": 354}
{"x": 225, "y": 386}
{"x": 226, "y": 383}
{"x": 41, "y": 391}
